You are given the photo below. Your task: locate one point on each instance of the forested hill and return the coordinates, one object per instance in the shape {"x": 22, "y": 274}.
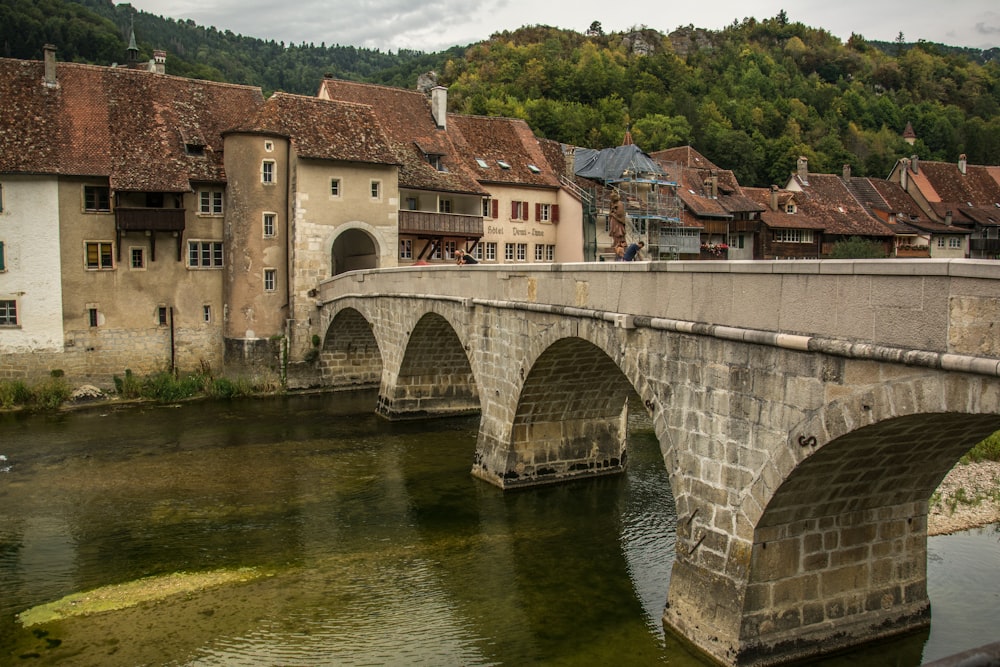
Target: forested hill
{"x": 752, "y": 97}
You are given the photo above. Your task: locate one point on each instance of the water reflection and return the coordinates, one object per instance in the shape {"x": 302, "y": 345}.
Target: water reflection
{"x": 379, "y": 546}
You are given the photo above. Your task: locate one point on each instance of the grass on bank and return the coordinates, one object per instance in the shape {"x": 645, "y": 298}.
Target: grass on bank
{"x": 163, "y": 387}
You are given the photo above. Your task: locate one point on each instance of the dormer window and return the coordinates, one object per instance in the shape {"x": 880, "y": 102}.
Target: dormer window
{"x": 790, "y": 207}
{"x": 436, "y": 161}
{"x": 196, "y": 150}
{"x": 503, "y": 165}
{"x": 534, "y": 169}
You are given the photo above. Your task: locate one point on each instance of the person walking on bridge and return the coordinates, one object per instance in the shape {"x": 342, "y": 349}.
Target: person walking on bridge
{"x": 632, "y": 252}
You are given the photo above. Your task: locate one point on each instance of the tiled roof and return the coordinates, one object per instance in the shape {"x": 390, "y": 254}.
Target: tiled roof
{"x": 779, "y": 219}
{"x": 827, "y": 199}
{"x": 976, "y": 186}
{"x": 496, "y": 140}
{"x": 685, "y": 156}
{"x": 325, "y": 129}
{"x": 406, "y": 117}
{"x": 127, "y": 125}
{"x": 695, "y": 190}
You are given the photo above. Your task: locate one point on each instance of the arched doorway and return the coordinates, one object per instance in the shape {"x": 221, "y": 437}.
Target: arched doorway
{"x": 353, "y": 250}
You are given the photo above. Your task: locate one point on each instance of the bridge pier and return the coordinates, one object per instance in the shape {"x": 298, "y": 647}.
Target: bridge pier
{"x": 553, "y": 451}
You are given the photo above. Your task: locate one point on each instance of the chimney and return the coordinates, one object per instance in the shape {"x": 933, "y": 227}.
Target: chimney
{"x": 714, "y": 185}
{"x": 947, "y": 218}
{"x": 915, "y": 164}
{"x": 962, "y": 160}
{"x": 774, "y": 197}
{"x": 905, "y": 164}
{"x": 439, "y": 106}
{"x": 50, "y": 65}
{"x": 160, "y": 61}
{"x": 847, "y": 172}
{"x": 804, "y": 170}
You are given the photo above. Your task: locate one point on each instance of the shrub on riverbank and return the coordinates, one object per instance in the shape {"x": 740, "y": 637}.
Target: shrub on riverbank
{"x": 49, "y": 394}
{"x": 987, "y": 450}
{"x": 163, "y": 387}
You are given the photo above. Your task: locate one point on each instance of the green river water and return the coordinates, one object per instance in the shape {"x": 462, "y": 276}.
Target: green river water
{"x": 370, "y": 543}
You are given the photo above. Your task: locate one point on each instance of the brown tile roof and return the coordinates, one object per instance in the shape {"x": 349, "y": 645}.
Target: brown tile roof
{"x": 685, "y": 156}
{"x": 972, "y": 198}
{"x": 779, "y": 219}
{"x": 827, "y": 199}
{"x": 405, "y": 115}
{"x": 508, "y": 140}
{"x": 325, "y": 129}
{"x": 127, "y": 125}
{"x": 695, "y": 190}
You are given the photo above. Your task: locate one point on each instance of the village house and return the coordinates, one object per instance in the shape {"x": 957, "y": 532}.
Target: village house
{"x": 786, "y": 231}
{"x": 713, "y": 201}
{"x": 957, "y": 195}
{"x": 114, "y": 199}
{"x": 825, "y": 199}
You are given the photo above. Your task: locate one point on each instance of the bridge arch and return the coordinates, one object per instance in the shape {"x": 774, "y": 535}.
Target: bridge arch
{"x": 358, "y": 245}
{"x": 434, "y": 376}
{"x": 350, "y": 354}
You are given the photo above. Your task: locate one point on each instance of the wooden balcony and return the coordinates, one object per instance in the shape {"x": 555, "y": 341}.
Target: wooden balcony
{"x": 988, "y": 246}
{"x": 426, "y": 223}
{"x": 912, "y": 252}
{"x": 149, "y": 219}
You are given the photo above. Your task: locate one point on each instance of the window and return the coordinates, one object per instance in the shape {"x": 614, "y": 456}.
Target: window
{"x": 437, "y": 252}
{"x": 406, "y": 248}
{"x": 790, "y": 207}
{"x": 96, "y": 198}
{"x": 334, "y": 187}
{"x": 550, "y": 253}
{"x": 482, "y": 163}
{"x": 270, "y": 280}
{"x": 137, "y": 258}
{"x": 436, "y": 162}
{"x": 736, "y": 240}
{"x": 490, "y": 252}
{"x": 449, "y": 250}
{"x": 539, "y": 252}
{"x": 269, "y": 225}
{"x": 534, "y": 169}
{"x": 508, "y": 252}
{"x": 477, "y": 252}
{"x": 376, "y": 189}
{"x": 411, "y": 203}
{"x": 3, "y": 264}
{"x": 99, "y": 255}
{"x": 519, "y": 210}
{"x": 197, "y": 150}
{"x": 210, "y": 202}
{"x": 954, "y": 243}
{"x": 269, "y": 146}
{"x": 92, "y": 317}
{"x": 793, "y": 236}
{"x": 267, "y": 172}
{"x": 543, "y": 212}
{"x": 940, "y": 242}
{"x": 522, "y": 252}
{"x": 444, "y": 206}
{"x": 8, "y": 313}
{"x": 503, "y": 164}
{"x": 161, "y": 316}
{"x": 206, "y": 313}
{"x": 205, "y": 254}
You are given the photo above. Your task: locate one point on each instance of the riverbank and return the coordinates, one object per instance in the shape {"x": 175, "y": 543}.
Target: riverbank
{"x": 968, "y": 497}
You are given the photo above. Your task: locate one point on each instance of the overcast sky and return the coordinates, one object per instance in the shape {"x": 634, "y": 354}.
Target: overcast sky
{"x": 434, "y": 25}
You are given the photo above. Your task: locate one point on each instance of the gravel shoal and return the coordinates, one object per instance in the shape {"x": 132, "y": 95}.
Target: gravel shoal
{"x": 980, "y": 483}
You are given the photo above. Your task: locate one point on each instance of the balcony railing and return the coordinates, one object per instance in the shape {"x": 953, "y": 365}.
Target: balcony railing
{"x": 151, "y": 219}
{"x": 440, "y": 224}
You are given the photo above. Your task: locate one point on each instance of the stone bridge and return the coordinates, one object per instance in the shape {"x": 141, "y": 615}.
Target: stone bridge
{"x": 805, "y": 411}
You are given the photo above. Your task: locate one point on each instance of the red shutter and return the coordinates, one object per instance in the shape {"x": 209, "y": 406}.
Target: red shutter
{"x": 524, "y": 210}
{"x": 513, "y": 210}
{"x": 496, "y": 208}
{"x": 555, "y": 213}
{"x": 538, "y": 212}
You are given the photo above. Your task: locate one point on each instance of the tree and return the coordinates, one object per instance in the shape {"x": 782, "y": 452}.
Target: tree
{"x": 857, "y": 248}
{"x": 595, "y": 29}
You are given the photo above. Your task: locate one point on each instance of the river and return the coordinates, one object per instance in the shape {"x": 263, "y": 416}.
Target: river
{"x": 370, "y": 541}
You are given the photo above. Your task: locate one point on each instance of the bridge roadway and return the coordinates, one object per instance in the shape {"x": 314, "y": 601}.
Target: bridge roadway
{"x": 805, "y": 411}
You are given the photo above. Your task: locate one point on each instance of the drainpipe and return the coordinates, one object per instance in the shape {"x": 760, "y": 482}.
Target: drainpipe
{"x": 173, "y": 351}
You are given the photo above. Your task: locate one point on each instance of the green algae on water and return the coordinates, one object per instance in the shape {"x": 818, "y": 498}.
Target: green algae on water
{"x": 132, "y": 593}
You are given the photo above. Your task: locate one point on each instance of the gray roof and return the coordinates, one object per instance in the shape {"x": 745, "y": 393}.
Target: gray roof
{"x": 614, "y": 164}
